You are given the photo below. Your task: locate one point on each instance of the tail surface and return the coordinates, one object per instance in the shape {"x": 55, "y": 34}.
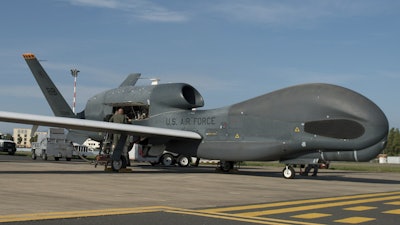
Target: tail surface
{"x": 56, "y": 101}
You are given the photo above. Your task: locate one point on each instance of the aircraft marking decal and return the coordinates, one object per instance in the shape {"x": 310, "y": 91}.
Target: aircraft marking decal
{"x": 51, "y": 91}
{"x": 190, "y": 121}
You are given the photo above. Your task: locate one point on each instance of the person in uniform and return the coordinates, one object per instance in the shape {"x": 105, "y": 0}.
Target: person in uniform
{"x": 118, "y": 117}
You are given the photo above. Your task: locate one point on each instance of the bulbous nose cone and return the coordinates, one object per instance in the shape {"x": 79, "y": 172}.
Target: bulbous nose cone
{"x": 344, "y": 114}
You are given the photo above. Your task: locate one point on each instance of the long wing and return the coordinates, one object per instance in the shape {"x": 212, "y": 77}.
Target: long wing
{"x": 96, "y": 126}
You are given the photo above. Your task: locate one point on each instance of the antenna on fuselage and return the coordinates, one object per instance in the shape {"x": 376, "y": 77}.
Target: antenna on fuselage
{"x": 154, "y": 81}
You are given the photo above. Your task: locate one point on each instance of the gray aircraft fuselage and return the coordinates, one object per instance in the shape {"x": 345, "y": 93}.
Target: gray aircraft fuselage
{"x": 299, "y": 124}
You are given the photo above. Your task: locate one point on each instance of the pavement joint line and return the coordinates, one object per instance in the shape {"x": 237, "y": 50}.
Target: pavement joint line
{"x": 295, "y": 202}
{"x": 316, "y": 206}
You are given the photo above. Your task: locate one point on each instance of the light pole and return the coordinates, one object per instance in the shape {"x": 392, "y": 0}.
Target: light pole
{"x": 74, "y": 73}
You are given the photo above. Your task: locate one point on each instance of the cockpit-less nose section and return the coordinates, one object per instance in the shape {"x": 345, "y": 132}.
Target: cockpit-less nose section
{"x": 304, "y": 124}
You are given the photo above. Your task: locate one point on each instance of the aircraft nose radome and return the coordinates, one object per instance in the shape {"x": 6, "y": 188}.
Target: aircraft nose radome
{"x": 365, "y": 123}
{"x": 374, "y": 121}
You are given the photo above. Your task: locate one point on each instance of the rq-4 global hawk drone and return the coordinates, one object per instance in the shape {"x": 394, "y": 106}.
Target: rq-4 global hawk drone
{"x": 304, "y": 124}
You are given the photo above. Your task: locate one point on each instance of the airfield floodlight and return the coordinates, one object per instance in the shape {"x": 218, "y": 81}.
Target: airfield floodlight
{"x": 74, "y": 73}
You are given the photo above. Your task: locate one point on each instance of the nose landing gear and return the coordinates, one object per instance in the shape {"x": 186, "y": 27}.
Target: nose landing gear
{"x": 288, "y": 172}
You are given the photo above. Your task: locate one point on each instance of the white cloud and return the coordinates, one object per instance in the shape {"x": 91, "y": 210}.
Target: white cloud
{"x": 143, "y": 10}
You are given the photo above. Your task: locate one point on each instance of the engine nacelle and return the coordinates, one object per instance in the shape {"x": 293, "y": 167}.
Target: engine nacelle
{"x": 174, "y": 96}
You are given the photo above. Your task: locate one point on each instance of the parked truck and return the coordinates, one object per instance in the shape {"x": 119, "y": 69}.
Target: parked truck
{"x": 7, "y": 145}
{"x": 54, "y": 144}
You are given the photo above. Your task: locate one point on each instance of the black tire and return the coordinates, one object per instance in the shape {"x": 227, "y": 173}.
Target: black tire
{"x": 184, "y": 161}
{"x": 44, "y": 156}
{"x": 33, "y": 156}
{"x": 12, "y": 152}
{"x": 167, "y": 159}
{"x": 57, "y": 158}
{"x": 288, "y": 172}
{"x": 226, "y": 166}
{"x": 116, "y": 165}
{"x": 68, "y": 159}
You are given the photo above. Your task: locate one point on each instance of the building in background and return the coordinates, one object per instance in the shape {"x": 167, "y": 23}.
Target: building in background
{"x": 22, "y": 137}
{"x": 91, "y": 144}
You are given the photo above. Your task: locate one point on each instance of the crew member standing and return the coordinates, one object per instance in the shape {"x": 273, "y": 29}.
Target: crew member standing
{"x": 118, "y": 117}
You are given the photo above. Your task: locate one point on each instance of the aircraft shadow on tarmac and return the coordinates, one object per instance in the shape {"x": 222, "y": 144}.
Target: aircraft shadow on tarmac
{"x": 327, "y": 176}
{"x": 207, "y": 169}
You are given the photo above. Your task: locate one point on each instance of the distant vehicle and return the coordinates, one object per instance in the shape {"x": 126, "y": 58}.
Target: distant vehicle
{"x": 53, "y": 144}
{"x": 7, "y": 145}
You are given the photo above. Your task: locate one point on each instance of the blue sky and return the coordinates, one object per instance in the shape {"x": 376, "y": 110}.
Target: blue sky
{"x": 230, "y": 50}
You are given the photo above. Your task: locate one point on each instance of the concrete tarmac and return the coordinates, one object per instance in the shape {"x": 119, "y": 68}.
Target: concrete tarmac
{"x": 46, "y": 188}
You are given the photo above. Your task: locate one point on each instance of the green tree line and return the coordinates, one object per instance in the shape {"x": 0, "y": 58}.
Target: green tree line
{"x": 393, "y": 143}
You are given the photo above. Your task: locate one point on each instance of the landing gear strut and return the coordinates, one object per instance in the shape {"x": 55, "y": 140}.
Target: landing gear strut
{"x": 118, "y": 157}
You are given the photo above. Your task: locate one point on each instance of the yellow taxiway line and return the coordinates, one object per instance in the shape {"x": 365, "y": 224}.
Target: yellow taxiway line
{"x": 77, "y": 214}
{"x": 296, "y": 202}
{"x": 246, "y": 213}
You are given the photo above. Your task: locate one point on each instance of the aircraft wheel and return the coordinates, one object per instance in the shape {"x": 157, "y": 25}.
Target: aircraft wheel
{"x": 68, "y": 159}
{"x": 167, "y": 159}
{"x": 56, "y": 158}
{"x": 183, "y": 161}
{"x": 226, "y": 166}
{"x": 288, "y": 172}
{"x": 116, "y": 165}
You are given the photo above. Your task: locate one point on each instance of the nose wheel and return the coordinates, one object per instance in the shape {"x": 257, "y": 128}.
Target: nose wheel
{"x": 288, "y": 172}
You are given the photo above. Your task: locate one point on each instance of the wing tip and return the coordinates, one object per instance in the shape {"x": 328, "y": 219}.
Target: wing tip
{"x": 28, "y": 56}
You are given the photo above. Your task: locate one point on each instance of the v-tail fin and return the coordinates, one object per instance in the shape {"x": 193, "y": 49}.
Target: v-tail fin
{"x": 56, "y": 101}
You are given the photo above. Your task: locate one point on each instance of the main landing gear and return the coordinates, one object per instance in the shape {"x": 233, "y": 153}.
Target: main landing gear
{"x": 227, "y": 166}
